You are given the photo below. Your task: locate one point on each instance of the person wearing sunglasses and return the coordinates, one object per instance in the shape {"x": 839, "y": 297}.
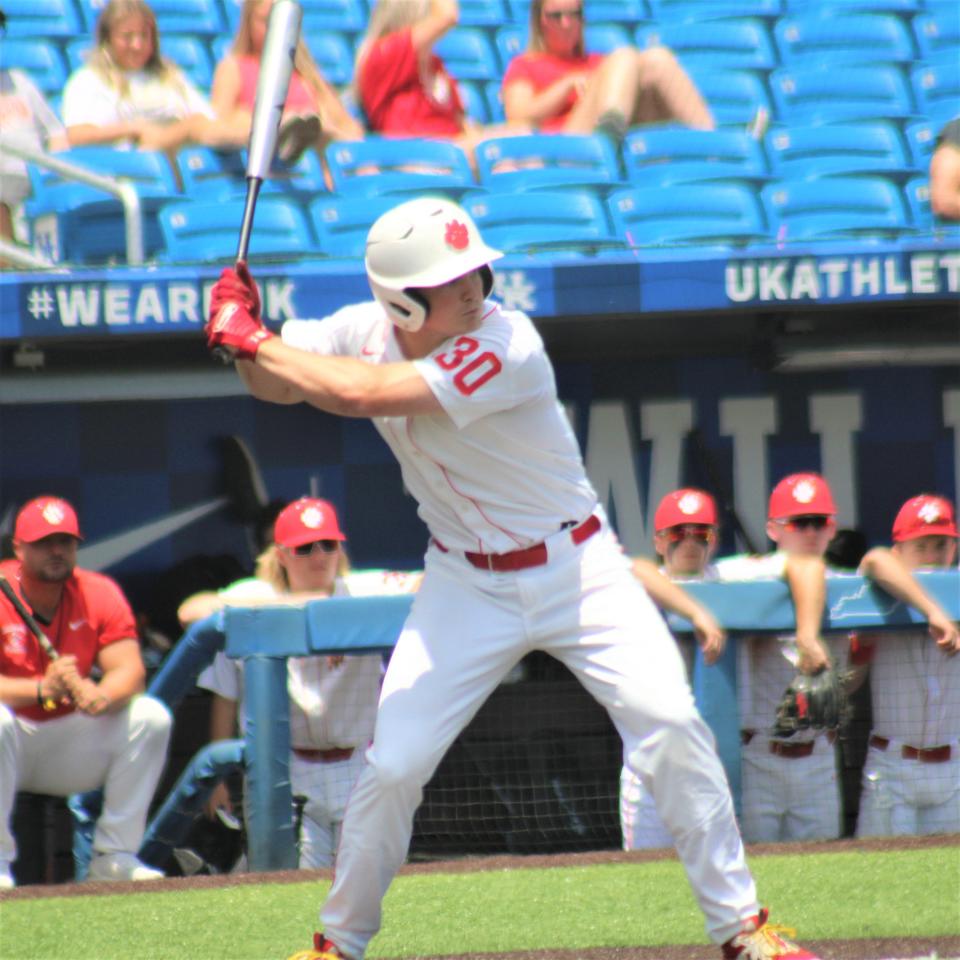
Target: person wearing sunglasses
{"x": 558, "y": 86}
{"x": 333, "y": 700}
{"x": 685, "y": 539}
{"x": 911, "y": 777}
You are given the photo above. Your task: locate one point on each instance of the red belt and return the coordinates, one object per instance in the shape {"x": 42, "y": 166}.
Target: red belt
{"x": 939, "y": 754}
{"x": 535, "y": 556}
{"x": 782, "y": 748}
{"x": 333, "y": 755}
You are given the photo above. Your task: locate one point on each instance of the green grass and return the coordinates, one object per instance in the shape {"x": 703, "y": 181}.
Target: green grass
{"x": 844, "y": 895}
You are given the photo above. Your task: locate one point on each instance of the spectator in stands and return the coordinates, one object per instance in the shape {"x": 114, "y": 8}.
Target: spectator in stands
{"x": 911, "y": 779}
{"x": 404, "y": 87}
{"x": 558, "y": 87}
{"x": 313, "y": 112}
{"x": 945, "y": 173}
{"x": 333, "y": 700}
{"x": 685, "y": 539}
{"x": 61, "y": 730}
{"x": 25, "y": 118}
{"x": 128, "y": 94}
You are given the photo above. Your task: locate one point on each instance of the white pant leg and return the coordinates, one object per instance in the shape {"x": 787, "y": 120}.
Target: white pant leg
{"x": 878, "y": 796}
{"x": 9, "y": 763}
{"x": 941, "y": 794}
{"x": 326, "y": 787}
{"x": 464, "y": 633}
{"x": 640, "y": 824}
{"x": 123, "y": 752}
{"x": 813, "y": 806}
{"x": 594, "y": 616}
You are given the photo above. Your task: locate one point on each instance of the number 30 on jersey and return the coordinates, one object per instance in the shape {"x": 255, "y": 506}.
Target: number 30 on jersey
{"x": 472, "y": 371}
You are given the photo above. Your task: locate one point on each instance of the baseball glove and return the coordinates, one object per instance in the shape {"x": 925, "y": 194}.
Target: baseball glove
{"x": 817, "y": 701}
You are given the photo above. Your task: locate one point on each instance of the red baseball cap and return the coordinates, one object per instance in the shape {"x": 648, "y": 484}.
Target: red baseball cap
{"x": 800, "y": 495}
{"x": 925, "y": 516}
{"x": 305, "y": 521}
{"x": 686, "y": 505}
{"x": 43, "y": 517}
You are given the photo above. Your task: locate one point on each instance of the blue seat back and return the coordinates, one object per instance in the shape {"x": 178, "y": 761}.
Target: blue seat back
{"x": 43, "y": 62}
{"x": 733, "y": 96}
{"x": 208, "y": 230}
{"x": 936, "y": 87}
{"x": 538, "y": 161}
{"x": 713, "y": 213}
{"x": 802, "y": 209}
{"x": 192, "y": 55}
{"x": 853, "y": 38}
{"x": 510, "y": 41}
{"x": 630, "y": 12}
{"x": 938, "y": 31}
{"x": 482, "y": 13}
{"x": 922, "y": 137}
{"x": 42, "y": 18}
{"x": 679, "y": 154}
{"x": 468, "y": 54}
{"x": 917, "y": 192}
{"x": 341, "y": 224}
{"x": 385, "y": 165}
{"x": 333, "y": 54}
{"x": 834, "y": 7}
{"x": 813, "y": 94}
{"x": 199, "y": 17}
{"x": 473, "y": 95}
{"x": 679, "y": 10}
{"x": 737, "y": 43}
{"x": 606, "y": 37}
{"x": 211, "y": 174}
{"x": 806, "y": 152}
{"x": 545, "y": 220}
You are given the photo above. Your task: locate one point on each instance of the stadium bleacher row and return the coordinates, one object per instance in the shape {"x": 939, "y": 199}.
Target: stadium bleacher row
{"x": 872, "y": 122}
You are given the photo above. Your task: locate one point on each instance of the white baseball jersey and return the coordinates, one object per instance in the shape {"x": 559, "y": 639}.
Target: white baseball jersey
{"x": 329, "y": 706}
{"x": 497, "y": 388}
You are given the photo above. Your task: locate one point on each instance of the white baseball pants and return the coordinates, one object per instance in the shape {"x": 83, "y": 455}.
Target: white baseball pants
{"x": 122, "y": 752}
{"x": 466, "y": 630}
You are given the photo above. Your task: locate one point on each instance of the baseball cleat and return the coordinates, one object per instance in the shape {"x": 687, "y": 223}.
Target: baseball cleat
{"x": 121, "y": 866}
{"x": 760, "y": 940}
{"x": 323, "y": 949}
{"x": 6, "y": 876}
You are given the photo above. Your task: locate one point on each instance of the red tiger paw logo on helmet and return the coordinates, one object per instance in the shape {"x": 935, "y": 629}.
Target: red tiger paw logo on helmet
{"x": 457, "y": 235}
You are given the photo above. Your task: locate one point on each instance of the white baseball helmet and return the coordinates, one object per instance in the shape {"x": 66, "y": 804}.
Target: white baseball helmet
{"x": 422, "y": 243}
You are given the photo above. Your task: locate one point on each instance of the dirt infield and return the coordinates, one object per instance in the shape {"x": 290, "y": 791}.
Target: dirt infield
{"x": 941, "y": 948}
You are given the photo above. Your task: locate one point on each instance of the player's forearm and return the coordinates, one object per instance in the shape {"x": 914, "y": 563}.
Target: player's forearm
{"x": 223, "y": 718}
{"x": 890, "y": 573}
{"x": 21, "y": 691}
{"x": 664, "y": 592}
{"x": 122, "y": 683}
{"x": 806, "y": 578}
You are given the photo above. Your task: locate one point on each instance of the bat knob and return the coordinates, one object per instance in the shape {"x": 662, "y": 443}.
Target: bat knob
{"x": 223, "y": 355}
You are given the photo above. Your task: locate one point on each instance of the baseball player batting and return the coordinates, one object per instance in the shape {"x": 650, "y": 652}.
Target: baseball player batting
{"x": 521, "y": 558}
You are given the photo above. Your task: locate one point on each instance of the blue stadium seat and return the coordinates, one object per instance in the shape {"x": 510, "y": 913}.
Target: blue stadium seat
{"x": 806, "y": 152}
{"x": 468, "y": 54}
{"x": 211, "y": 174}
{"x": 726, "y": 214}
{"x": 917, "y": 192}
{"x": 385, "y": 165}
{"x": 86, "y": 225}
{"x": 743, "y": 44}
{"x": 734, "y": 96}
{"x": 855, "y": 38}
{"x": 936, "y": 87}
{"x": 833, "y": 7}
{"x": 539, "y": 161}
{"x": 341, "y": 224}
{"x": 631, "y": 12}
{"x": 938, "y": 32}
{"x": 836, "y": 207}
{"x": 41, "y": 60}
{"x": 482, "y": 13}
{"x": 201, "y": 230}
{"x": 345, "y": 16}
{"x": 606, "y": 37}
{"x": 510, "y": 41}
{"x": 493, "y": 94}
{"x": 300, "y": 181}
{"x": 922, "y": 138}
{"x": 666, "y": 10}
{"x": 333, "y": 54}
{"x": 664, "y": 155}
{"x": 543, "y": 221}
{"x": 192, "y": 55}
{"x": 474, "y": 100}
{"x": 815, "y": 94}
{"x": 201, "y": 17}
{"x": 42, "y": 18}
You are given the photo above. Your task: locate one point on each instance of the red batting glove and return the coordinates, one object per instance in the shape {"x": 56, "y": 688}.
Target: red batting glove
{"x": 236, "y": 285}
{"x": 232, "y": 328}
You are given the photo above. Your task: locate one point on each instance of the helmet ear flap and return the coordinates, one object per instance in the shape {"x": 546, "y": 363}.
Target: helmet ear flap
{"x": 420, "y": 300}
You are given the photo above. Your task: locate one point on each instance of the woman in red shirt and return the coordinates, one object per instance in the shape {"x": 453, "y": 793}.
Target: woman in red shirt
{"x": 558, "y": 87}
{"x": 313, "y": 113}
{"x": 404, "y": 87}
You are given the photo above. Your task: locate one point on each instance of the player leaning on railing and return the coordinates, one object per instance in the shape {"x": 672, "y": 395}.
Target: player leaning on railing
{"x": 521, "y": 557}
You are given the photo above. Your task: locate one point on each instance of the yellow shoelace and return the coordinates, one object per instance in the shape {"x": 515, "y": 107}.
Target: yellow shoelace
{"x": 777, "y": 935}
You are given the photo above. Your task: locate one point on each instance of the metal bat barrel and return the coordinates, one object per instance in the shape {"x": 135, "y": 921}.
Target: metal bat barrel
{"x": 276, "y": 66}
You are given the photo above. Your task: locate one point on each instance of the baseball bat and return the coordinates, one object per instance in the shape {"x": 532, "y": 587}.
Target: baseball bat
{"x": 276, "y": 67}
{"x": 6, "y": 588}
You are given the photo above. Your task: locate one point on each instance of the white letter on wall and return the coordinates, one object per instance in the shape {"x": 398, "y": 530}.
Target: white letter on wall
{"x": 836, "y": 417}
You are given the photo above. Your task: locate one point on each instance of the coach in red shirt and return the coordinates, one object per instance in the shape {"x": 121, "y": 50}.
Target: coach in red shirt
{"x": 77, "y": 721}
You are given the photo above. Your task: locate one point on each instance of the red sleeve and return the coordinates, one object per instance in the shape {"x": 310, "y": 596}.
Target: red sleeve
{"x": 389, "y": 65}
{"x": 114, "y": 619}
{"x": 519, "y": 68}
